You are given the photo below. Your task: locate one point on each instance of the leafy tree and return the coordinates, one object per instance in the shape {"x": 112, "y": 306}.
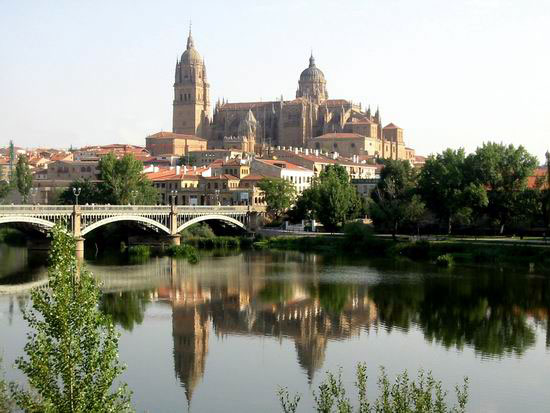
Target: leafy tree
{"x": 23, "y": 177}
{"x": 127, "y": 308}
{"x": 446, "y": 187}
{"x": 71, "y": 358}
{"x": 123, "y": 181}
{"x": 4, "y": 189}
{"x": 503, "y": 170}
{"x": 332, "y": 199}
{"x": 5, "y": 400}
{"x": 337, "y": 200}
{"x": 188, "y": 160}
{"x": 89, "y": 193}
{"x": 279, "y": 195}
{"x": 394, "y": 200}
{"x": 12, "y": 162}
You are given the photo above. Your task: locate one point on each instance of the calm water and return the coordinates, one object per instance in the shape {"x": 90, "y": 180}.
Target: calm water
{"x": 221, "y": 335}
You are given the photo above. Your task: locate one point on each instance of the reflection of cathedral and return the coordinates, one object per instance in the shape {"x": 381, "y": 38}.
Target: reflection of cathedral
{"x": 250, "y": 125}
{"x": 239, "y": 309}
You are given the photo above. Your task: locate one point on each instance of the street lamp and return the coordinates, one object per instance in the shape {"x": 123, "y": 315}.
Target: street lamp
{"x": 76, "y": 192}
{"x": 217, "y": 191}
{"x": 134, "y": 194}
{"x": 174, "y": 194}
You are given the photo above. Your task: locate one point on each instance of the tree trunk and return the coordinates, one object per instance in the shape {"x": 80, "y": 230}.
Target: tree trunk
{"x": 449, "y": 226}
{"x": 501, "y": 229}
{"x": 394, "y": 232}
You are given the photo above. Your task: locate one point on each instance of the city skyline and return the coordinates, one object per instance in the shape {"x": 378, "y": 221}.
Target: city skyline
{"x": 451, "y": 75}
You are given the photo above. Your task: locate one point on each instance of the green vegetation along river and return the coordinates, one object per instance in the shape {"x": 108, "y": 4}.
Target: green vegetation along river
{"x": 222, "y": 334}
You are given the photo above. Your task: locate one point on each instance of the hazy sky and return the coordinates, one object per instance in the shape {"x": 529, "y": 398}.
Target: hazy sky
{"x": 451, "y": 73}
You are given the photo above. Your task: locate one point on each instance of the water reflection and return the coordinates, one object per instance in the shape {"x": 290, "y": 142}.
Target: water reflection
{"x": 285, "y": 295}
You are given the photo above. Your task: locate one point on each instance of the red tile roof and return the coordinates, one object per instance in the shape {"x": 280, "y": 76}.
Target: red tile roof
{"x": 538, "y": 175}
{"x": 175, "y": 136}
{"x": 286, "y": 165}
{"x": 222, "y": 176}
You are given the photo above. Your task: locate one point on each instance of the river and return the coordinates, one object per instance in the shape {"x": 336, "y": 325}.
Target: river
{"x": 221, "y": 335}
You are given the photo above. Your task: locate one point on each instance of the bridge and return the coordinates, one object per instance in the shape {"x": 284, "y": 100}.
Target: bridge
{"x": 170, "y": 220}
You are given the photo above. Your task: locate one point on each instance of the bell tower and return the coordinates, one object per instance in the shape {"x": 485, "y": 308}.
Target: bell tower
{"x": 191, "y": 114}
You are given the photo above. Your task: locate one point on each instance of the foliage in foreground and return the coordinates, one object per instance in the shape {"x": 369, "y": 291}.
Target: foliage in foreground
{"x": 423, "y": 395}
{"x": 71, "y": 358}
{"x": 5, "y": 400}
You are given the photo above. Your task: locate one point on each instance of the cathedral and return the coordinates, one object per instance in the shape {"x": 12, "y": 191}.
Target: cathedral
{"x": 250, "y": 126}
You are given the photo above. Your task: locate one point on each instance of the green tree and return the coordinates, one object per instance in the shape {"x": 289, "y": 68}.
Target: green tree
{"x": 23, "y": 177}
{"x": 89, "y": 193}
{"x": 337, "y": 200}
{"x": 5, "y": 400}
{"x": 12, "y": 162}
{"x": 4, "y": 189}
{"x": 503, "y": 170}
{"x": 331, "y": 199}
{"x": 546, "y": 193}
{"x": 394, "y": 200}
{"x": 187, "y": 160}
{"x": 123, "y": 181}
{"x": 279, "y": 195}
{"x": 447, "y": 188}
{"x": 71, "y": 361}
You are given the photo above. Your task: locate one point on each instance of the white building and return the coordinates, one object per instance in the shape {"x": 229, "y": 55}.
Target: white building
{"x": 299, "y": 176}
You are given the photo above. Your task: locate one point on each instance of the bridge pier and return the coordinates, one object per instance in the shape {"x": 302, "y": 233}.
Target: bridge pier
{"x": 175, "y": 239}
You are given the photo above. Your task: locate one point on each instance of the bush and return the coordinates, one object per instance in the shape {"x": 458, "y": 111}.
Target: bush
{"x": 183, "y": 251}
{"x": 418, "y": 250}
{"x": 139, "y": 251}
{"x": 424, "y": 394}
{"x": 445, "y": 260}
{"x": 216, "y": 242}
{"x": 357, "y": 233}
{"x": 5, "y": 400}
{"x": 200, "y": 230}
{"x": 13, "y": 237}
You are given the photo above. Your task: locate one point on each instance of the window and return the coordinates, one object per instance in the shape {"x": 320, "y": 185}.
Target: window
{"x": 352, "y": 145}
{"x": 216, "y": 185}
{"x": 335, "y": 145}
{"x": 181, "y": 97}
{"x": 208, "y": 186}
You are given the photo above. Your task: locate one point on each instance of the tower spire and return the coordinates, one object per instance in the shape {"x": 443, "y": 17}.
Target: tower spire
{"x": 190, "y": 43}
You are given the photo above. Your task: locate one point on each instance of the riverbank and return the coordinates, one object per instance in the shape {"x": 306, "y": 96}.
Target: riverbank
{"x": 444, "y": 252}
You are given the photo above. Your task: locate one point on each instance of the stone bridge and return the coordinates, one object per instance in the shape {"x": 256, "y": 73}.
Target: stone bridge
{"x": 170, "y": 220}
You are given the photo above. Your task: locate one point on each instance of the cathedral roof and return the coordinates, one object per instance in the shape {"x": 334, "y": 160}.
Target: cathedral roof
{"x": 391, "y": 126}
{"x": 312, "y": 73}
{"x": 339, "y": 136}
{"x": 173, "y": 135}
{"x": 191, "y": 55}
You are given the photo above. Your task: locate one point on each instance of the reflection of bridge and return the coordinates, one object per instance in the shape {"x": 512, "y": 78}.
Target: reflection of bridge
{"x": 171, "y": 220}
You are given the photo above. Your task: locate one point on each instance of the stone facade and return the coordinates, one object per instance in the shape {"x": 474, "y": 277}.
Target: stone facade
{"x": 168, "y": 143}
{"x": 281, "y": 122}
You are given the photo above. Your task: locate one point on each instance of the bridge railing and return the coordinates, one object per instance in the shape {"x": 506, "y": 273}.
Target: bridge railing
{"x": 35, "y": 209}
{"x": 123, "y": 209}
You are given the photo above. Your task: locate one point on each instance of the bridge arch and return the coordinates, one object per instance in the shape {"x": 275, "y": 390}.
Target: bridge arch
{"x": 27, "y": 220}
{"x": 119, "y": 218}
{"x": 208, "y": 218}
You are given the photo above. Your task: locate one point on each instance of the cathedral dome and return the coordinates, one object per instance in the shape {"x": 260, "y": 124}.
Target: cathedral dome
{"x": 191, "y": 55}
{"x": 312, "y": 73}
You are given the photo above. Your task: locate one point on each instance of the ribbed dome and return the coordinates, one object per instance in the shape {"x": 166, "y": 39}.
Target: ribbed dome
{"x": 191, "y": 55}
{"x": 312, "y": 73}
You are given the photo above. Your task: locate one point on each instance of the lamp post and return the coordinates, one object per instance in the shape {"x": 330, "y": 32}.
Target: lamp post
{"x": 217, "y": 191}
{"x": 76, "y": 192}
{"x": 134, "y": 194}
{"x": 174, "y": 194}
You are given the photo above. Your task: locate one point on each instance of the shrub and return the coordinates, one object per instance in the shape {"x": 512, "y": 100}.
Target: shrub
{"x": 445, "y": 260}
{"x": 183, "y": 251}
{"x": 424, "y": 394}
{"x": 200, "y": 230}
{"x": 357, "y": 233}
{"x": 13, "y": 237}
{"x": 5, "y": 400}
{"x": 139, "y": 251}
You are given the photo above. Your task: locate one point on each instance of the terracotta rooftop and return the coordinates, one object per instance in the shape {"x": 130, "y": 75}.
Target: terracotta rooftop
{"x": 285, "y": 164}
{"x": 175, "y": 136}
{"x": 539, "y": 175}
{"x": 253, "y": 177}
{"x": 222, "y": 176}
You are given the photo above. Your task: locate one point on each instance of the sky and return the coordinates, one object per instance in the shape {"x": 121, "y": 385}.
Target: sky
{"x": 450, "y": 73}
